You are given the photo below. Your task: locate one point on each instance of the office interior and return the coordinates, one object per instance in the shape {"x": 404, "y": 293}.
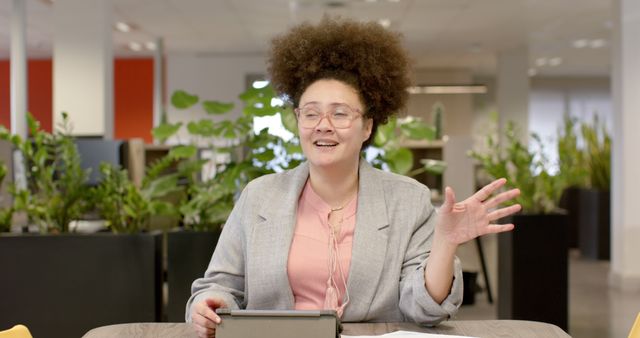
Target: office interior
{"x": 113, "y": 66}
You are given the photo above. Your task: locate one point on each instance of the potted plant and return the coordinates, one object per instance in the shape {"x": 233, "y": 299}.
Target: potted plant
{"x": 595, "y": 201}
{"x": 572, "y": 169}
{"x": 584, "y": 152}
{"x": 79, "y": 281}
{"x": 532, "y": 259}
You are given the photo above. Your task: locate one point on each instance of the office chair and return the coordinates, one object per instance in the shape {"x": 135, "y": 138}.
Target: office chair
{"x": 635, "y": 329}
{"x": 18, "y": 331}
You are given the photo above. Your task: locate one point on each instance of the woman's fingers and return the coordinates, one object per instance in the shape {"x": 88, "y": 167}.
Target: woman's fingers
{"x": 449, "y": 199}
{"x": 205, "y": 318}
{"x": 204, "y": 332}
{"x": 502, "y": 197}
{"x": 496, "y": 228}
{"x": 503, "y": 212}
{"x": 210, "y": 305}
{"x": 207, "y": 315}
{"x": 488, "y": 189}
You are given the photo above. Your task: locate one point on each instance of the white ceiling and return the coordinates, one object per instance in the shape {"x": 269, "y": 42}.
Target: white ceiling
{"x": 439, "y": 33}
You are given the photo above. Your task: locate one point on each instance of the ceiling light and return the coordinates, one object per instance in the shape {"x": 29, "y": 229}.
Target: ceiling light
{"x": 393, "y": 0}
{"x": 150, "y": 45}
{"x": 123, "y": 27}
{"x": 556, "y": 61}
{"x": 541, "y": 62}
{"x": 580, "y": 43}
{"x": 597, "y": 43}
{"x": 448, "y": 89}
{"x": 384, "y": 23}
{"x": 370, "y": 0}
{"x": 135, "y": 46}
{"x": 532, "y": 72}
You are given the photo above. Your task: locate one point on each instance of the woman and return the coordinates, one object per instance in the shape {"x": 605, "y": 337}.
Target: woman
{"x": 335, "y": 233}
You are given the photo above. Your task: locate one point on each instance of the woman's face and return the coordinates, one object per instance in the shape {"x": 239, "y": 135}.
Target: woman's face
{"x": 324, "y": 145}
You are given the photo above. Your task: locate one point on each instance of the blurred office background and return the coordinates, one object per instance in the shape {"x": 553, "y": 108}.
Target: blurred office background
{"x": 113, "y": 65}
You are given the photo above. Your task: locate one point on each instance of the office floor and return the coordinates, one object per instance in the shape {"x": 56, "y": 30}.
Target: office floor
{"x": 595, "y": 310}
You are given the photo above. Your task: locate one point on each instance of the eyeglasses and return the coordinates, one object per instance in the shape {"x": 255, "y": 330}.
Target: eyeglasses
{"x": 340, "y": 116}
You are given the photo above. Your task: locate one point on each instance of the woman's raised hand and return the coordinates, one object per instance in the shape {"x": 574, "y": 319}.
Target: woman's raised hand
{"x": 463, "y": 221}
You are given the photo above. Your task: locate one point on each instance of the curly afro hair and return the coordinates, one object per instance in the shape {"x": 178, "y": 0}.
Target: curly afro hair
{"x": 364, "y": 55}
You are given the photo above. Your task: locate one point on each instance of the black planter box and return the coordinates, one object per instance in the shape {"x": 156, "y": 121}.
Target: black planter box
{"x": 533, "y": 270}
{"x": 65, "y": 285}
{"x": 570, "y": 201}
{"x": 595, "y": 224}
{"x": 188, "y": 255}
{"x": 469, "y": 287}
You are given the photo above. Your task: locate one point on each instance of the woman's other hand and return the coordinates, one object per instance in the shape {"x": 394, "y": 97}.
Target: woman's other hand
{"x": 204, "y": 317}
{"x": 463, "y": 221}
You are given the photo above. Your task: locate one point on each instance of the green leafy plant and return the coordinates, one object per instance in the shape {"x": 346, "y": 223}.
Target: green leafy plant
{"x": 56, "y": 191}
{"x": 524, "y": 168}
{"x": 127, "y": 208}
{"x": 572, "y": 160}
{"x": 6, "y": 214}
{"x": 208, "y": 202}
{"x": 394, "y": 156}
{"x": 598, "y": 154}
{"x": 119, "y": 202}
{"x": 584, "y": 154}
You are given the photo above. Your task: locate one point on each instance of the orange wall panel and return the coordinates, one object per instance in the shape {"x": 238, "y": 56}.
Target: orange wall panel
{"x": 5, "y": 106}
{"x": 39, "y": 95}
{"x": 133, "y": 96}
{"x": 41, "y": 92}
{"x": 133, "y": 92}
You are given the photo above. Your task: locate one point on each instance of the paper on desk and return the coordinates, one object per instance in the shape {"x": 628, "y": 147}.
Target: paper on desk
{"x": 407, "y": 334}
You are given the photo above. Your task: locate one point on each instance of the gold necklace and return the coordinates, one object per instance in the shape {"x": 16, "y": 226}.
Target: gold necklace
{"x": 344, "y": 205}
{"x": 338, "y": 208}
{"x": 336, "y": 227}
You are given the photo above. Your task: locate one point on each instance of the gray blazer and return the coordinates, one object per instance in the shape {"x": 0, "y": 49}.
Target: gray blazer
{"x": 394, "y": 228}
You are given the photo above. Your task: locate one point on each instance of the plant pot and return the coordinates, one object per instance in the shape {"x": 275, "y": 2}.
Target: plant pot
{"x": 595, "y": 224}
{"x": 533, "y": 270}
{"x": 65, "y": 285}
{"x": 570, "y": 201}
{"x": 188, "y": 256}
{"x": 469, "y": 287}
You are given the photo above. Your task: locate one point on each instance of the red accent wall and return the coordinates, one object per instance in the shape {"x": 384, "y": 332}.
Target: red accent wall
{"x": 39, "y": 95}
{"x": 133, "y": 96}
{"x": 5, "y": 105}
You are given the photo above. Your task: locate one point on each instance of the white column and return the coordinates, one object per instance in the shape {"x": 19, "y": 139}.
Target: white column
{"x": 158, "y": 82}
{"x": 18, "y": 69}
{"x": 513, "y": 89}
{"x": 625, "y": 224}
{"x": 83, "y": 65}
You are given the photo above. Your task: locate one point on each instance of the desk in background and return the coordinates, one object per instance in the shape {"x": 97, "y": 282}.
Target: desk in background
{"x": 480, "y": 328}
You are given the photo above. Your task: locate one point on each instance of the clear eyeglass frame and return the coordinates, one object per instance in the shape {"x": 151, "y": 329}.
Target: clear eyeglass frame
{"x": 340, "y": 116}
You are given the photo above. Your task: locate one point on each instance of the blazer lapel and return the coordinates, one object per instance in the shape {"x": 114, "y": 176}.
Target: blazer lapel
{"x": 369, "y": 244}
{"x": 272, "y": 237}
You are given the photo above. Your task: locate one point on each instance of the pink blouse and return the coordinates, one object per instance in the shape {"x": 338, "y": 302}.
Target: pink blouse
{"x": 308, "y": 265}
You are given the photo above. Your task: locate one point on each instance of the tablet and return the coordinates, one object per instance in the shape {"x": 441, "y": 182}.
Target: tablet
{"x": 277, "y": 324}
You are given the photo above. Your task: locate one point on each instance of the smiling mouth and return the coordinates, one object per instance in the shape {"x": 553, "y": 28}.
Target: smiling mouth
{"x": 326, "y": 144}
